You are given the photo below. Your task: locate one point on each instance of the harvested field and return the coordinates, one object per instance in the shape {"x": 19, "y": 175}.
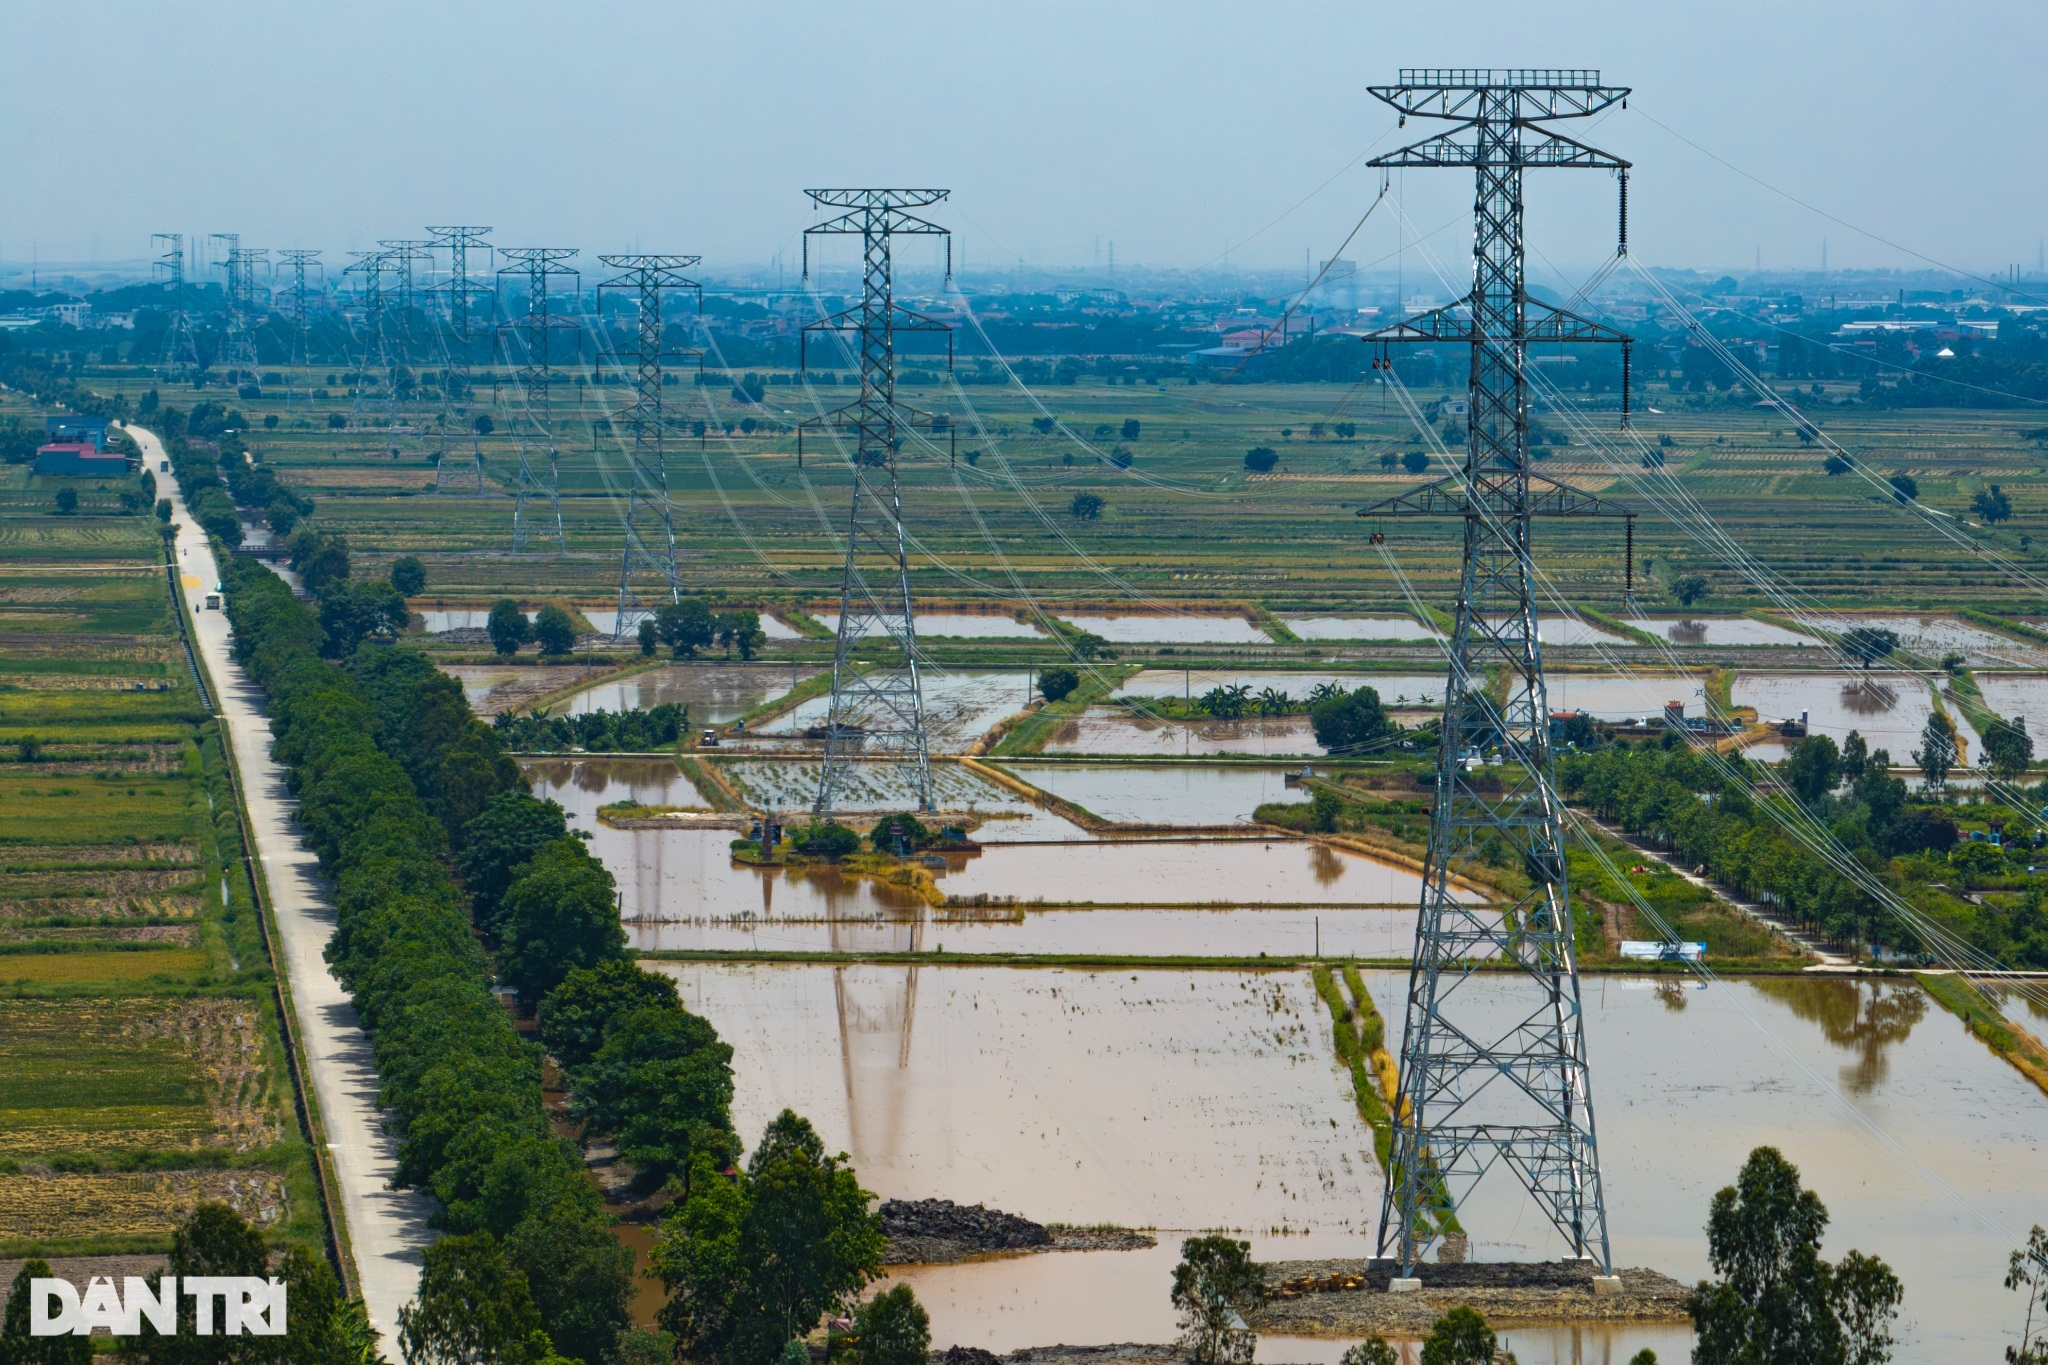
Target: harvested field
{"x": 117, "y": 1075}
{"x": 64, "y": 1207}
{"x": 59, "y": 882}
{"x": 103, "y": 969}
{"x": 73, "y": 910}
{"x": 181, "y": 935}
{"x": 17, "y": 856}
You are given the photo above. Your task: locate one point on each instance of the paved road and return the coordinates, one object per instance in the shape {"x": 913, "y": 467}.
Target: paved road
{"x": 387, "y": 1228}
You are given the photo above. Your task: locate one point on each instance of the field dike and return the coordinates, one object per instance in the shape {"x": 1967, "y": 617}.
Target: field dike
{"x": 1360, "y": 1036}
{"x": 2017, "y": 1046}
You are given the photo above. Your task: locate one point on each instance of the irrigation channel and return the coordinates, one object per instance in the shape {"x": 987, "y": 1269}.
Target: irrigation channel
{"x": 1175, "y": 1096}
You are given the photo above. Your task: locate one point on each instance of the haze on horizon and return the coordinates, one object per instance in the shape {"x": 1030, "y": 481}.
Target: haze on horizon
{"x": 1176, "y": 131}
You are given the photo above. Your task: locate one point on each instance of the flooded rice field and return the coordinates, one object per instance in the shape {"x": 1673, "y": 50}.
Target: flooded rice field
{"x": 1888, "y": 709}
{"x": 460, "y": 618}
{"x": 789, "y": 784}
{"x": 715, "y": 693}
{"x": 2018, "y": 694}
{"x": 960, "y": 706}
{"x": 1933, "y": 636}
{"x": 1360, "y": 628}
{"x": 1228, "y": 872}
{"x": 1608, "y": 697}
{"x": 1179, "y": 795}
{"x": 1112, "y": 730}
{"x": 492, "y": 688}
{"x": 1332, "y": 930}
{"x": 1566, "y": 630}
{"x": 1719, "y": 630}
{"x": 1171, "y": 630}
{"x": 1183, "y": 1100}
{"x": 962, "y": 625}
{"x": 581, "y": 785}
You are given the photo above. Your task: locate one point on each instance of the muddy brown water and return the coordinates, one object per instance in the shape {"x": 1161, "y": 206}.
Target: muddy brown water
{"x": 1185, "y": 794}
{"x": 1720, "y": 630}
{"x": 1111, "y": 730}
{"x": 1211, "y": 1099}
{"x": 715, "y": 693}
{"x": 1887, "y": 708}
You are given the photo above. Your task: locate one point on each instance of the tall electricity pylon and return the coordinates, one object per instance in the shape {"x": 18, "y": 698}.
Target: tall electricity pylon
{"x": 179, "y": 346}
{"x": 463, "y": 291}
{"x": 538, "y": 264}
{"x": 298, "y": 258}
{"x": 1494, "y": 1070}
{"x": 650, "y": 551}
{"x": 881, "y": 709}
{"x": 376, "y": 357}
{"x": 240, "y": 268}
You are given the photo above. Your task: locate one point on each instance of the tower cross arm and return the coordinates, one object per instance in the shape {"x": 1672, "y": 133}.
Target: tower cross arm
{"x": 1454, "y": 148}
{"x": 1453, "y": 324}
{"x": 901, "y": 320}
{"x": 1539, "y": 94}
{"x": 1452, "y": 497}
{"x": 862, "y": 222}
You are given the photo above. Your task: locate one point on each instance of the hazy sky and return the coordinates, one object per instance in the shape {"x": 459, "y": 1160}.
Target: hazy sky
{"x": 1174, "y": 128}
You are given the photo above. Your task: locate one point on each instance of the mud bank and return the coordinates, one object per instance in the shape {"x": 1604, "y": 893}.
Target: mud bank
{"x": 941, "y": 1232}
{"x": 1348, "y": 1298}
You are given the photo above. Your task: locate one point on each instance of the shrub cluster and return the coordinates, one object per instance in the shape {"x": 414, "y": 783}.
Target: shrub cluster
{"x": 597, "y": 732}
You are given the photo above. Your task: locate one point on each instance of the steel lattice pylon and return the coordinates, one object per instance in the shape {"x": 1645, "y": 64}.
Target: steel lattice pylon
{"x": 298, "y": 258}
{"x": 179, "y": 346}
{"x": 370, "y": 268}
{"x": 1499, "y": 1076}
{"x": 462, "y": 290}
{"x": 538, "y": 264}
{"x": 240, "y": 269}
{"x": 879, "y": 710}
{"x": 650, "y": 550}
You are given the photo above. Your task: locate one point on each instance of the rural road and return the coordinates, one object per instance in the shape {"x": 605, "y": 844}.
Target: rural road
{"x": 387, "y": 1228}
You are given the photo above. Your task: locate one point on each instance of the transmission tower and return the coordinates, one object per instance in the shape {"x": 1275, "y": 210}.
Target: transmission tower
{"x": 179, "y": 346}
{"x": 463, "y": 291}
{"x": 240, "y": 269}
{"x": 650, "y": 552}
{"x": 297, "y": 258}
{"x": 375, "y": 357}
{"x": 538, "y": 264}
{"x": 880, "y": 710}
{"x": 1482, "y": 1084}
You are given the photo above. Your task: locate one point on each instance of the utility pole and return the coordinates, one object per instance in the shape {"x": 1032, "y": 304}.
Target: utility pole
{"x": 463, "y": 291}
{"x": 538, "y": 264}
{"x": 649, "y": 520}
{"x": 1504, "y": 1080}
{"x": 298, "y": 258}
{"x": 881, "y": 709}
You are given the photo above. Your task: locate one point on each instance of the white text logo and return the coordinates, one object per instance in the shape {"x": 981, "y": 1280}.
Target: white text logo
{"x": 246, "y": 1304}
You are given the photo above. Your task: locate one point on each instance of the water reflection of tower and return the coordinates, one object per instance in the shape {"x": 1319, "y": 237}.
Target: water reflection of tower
{"x": 877, "y": 1012}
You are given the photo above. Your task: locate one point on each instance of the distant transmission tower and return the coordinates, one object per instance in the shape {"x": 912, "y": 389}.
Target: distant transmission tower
{"x": 1501, "y": 1078}
{"x": 538, "y": 264}
{"x": 179, "y": 346}
{"x": 463, "y": 292}
{"x": 240, "y": 269}
{"x": 376, "y": 354}
{"x": 297, "y": 258}
{"x": 650, "y": 552}
{"x": 880, "y": 710}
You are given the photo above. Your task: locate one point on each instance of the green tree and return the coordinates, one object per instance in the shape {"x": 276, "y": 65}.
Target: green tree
{"x": 1261, "y": 459}
{"x": 1087, "y": 506}
{"x": 508, "y": 626}
{"x": 1777, "y": 1300}
{"x": 164, "y": 510}
{"x": 825, "y": 839}
{"x": 483, "y": 425}
{"x": 1691, "y": 588}
{"x": 2027, "y": 1272}
{"x": 1371, "y": 1351}
{"x": 216, "y": 1240}
{"x": 1130, "y": 429}
{"x": 1415, "y": 462}
{"x": 474, "y": 1308}
{"x": 498, "y": 842}
{"x": 1992, "y": 505}
{"x": 1813, "y": 768}
{"x": 1460, "y": 1337}
{"x": 1867, "y": 644}
{"x": 739, "y": 630}
{"x": 1347, "y": 722}
{"x": 2008, "y": 748}
{"x": 317, "y": 558}
{"x": 409, "y": 575}
{"x": 892, "y": 1327}
{"x": 901, "y": 826}
{"x": 685, "y": 627}
{"x": 1057, "y": 684}
{"x": 1216, "y": 1287}
{"x": 67, "y": 501}
{"x": 352, "y": 612}
{"x": 661, "y": 1083}
{"x": 1323, "y": 809}
{"x": 17, "y": 1347}
{"x": 752, "y": 1262}
{"x": 575, "y": 1016}
{"x": 1937, "y": 751}
{"x": 1855, "y": 758}
{"x": 580, "y": 1274}
{"x": 560, "y": 914}
{"x": 649, "y": 637}
{"x": 1905, "y": 487}
{"x": 554, "y": 632}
